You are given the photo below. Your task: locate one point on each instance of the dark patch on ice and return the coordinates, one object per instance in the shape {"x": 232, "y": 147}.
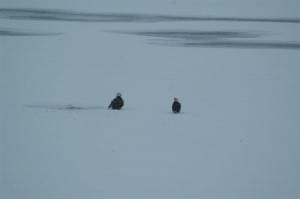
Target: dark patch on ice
{"x": 9, "y": 32}
{"x": 195, "y": 35}
{"x": 244, "y": 44}
{"x": 216, "y": 39}
{"x": 68, "y": 15}
{"x": 68, "y": 107}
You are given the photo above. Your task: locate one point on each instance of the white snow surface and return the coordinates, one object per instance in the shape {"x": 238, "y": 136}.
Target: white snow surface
{"x": 236, "y": 138}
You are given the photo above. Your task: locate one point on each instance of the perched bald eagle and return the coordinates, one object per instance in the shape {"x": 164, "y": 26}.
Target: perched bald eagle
{"x": 117, "y": 103}
{"x": 176, "y": 106}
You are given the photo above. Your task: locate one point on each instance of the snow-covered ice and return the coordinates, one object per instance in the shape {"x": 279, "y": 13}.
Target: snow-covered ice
{"x": 238, "y": 81}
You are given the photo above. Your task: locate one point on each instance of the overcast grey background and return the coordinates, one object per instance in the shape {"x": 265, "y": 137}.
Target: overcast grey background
{"x": 233, "y": 64}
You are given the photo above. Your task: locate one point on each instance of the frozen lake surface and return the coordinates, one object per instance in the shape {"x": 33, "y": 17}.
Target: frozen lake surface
{"x": 233, "y": 66}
